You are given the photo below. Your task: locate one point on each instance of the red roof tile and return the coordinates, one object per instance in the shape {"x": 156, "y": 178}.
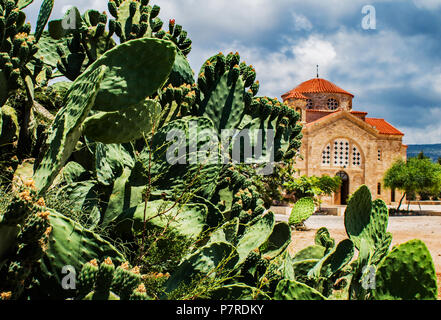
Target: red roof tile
{"x": 294, "y": 95}
{"x": 383, "y": 126}
{"x": 316, "y": 85}
{"x": 359, "y": 112}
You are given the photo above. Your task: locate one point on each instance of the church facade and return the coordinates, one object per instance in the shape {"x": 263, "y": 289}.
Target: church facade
{"x": 338, "y": 140}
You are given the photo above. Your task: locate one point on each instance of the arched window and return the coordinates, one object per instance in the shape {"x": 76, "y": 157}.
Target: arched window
{"x": 309, "y": 104}
{"x": 332, "y": 104}
{"x": 326, "y": 155}
{"x": 379, "y": 188}
{"x": 356, "y": 157}
{"x": 341, "y": 152}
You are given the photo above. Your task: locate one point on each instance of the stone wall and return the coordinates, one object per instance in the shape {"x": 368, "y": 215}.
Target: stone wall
{"x": 366, "y": 140}
{"x": 320, "y": 100}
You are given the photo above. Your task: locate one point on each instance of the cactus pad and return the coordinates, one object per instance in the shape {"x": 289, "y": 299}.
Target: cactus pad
{"x": 301, "y": 211}
{"x": 122, "y": 126}
{"x": 65, "y": 130}
{"x": 293, "y": 290}
{"x": 407, "y": 273}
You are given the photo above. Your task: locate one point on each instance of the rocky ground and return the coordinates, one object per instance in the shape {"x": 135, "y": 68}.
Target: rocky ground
{"x": 426, "y": 228}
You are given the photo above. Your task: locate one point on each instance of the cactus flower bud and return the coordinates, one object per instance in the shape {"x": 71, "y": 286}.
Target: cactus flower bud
{"x": 171, "y": 26}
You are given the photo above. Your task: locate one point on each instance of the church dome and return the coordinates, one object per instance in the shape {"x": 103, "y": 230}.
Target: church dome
{"x": 316, "y": 85}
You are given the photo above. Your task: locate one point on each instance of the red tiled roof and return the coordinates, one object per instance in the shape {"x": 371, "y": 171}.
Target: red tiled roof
{"x": 294, "y": 95}
{"x": 327, "y": 114}
{"x": 359, "y": 112}
{"x": 383, "y": 126}
{"x": 316, "y": 85}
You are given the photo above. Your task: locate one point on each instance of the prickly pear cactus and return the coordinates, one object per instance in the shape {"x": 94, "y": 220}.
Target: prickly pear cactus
{"x": 301, "y": 211}
{"x": 407, "y": 273}
{"x": 66, "y": 128}
{"x": 24, "y": 235}
{"x": 203, "y": 262}
{"x": 365, "y": 219}
{"x": 129, "y": 81}
{"x": 107, "y": 282}
{"x": 17, "y": 49}
{"x": 293, "y": 290}
{"x": 123, "y": 126}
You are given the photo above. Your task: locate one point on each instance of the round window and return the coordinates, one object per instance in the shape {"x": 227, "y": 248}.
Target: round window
{"x": 332, "y": 104}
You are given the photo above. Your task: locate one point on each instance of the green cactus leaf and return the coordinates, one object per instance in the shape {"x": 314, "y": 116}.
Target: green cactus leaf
{"x": 3, "y": 89}
{"x": 129, "y": 124}
{"x": 323, "y": 238}
{"x": 264, "y": 125}
{"x": 226, "y": 233}
{"x": 224, "y": 105}
{"x": 256, "y": 233}
{"x": 181, "y": 72}
{"x": 21, "y": 4}
{"x": 125, "y": 19}
{"x": 43, "y": 17}
{"x": 29, "y": 85}
{"x": 302, "y": 268}
{"x": 186, "y": 220}
{"x": 382, "y": 249}
{"x": 293, "y": 290}
{"x": 358, "y": 214}
{"x": 47, "y": 49}
{"x": 91, "y": 17}
{"x": 110, "y": 160}
{"x": 120, "y": 198}
{"x": 311, "y": 252}
{"x": 71, "y": 22}
{"x": 286, "y": 269}
{"x": 367, "y": 220}
{"x": 407, "y": 273}
{"x": 84, "y": 197}
{"x": 73, "y": 172}
{"x": 278, "y": 241}
{"x": 301, "y": 211}
{"x": 203, "y": 262}
{"x": 334, "y": 261}
{"x": 129, "y": 81}
{"x": 185, "y": 152}
{"x": 65, "y": 130}
{"x": 10, "y": 128}
{"x": 70, "y": 244}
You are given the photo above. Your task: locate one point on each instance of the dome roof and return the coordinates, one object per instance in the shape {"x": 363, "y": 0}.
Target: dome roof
{"x": 316, "y": 85}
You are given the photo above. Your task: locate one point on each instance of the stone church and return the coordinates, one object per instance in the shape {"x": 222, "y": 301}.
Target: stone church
{"x": 338, "y": 140}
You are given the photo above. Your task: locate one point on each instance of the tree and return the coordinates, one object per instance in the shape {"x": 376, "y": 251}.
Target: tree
{"x": 421, "y": 156}
{"x": 313, "y": 186}
{"x": 416, "y": 175}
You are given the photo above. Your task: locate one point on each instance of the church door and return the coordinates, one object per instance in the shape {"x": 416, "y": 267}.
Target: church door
{"x": 344, "y": 188}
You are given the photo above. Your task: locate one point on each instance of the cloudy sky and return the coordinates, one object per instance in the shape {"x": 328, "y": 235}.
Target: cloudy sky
{"x": 394, "y": 70}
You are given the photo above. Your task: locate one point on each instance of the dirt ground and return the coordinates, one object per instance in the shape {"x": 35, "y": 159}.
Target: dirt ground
{"x": 425, "y": 228}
